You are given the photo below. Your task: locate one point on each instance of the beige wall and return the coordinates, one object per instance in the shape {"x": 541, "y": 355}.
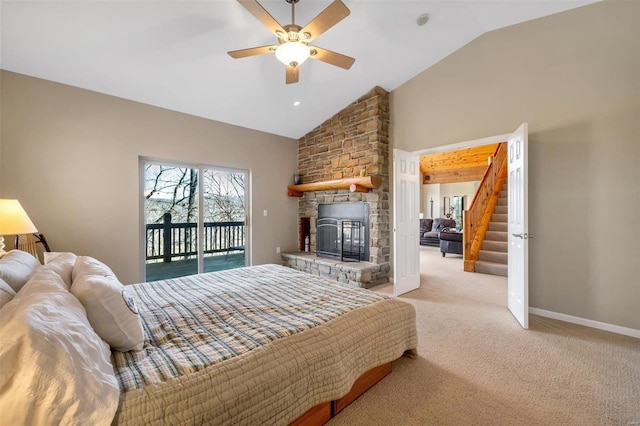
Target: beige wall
{"x": 575, "y": 78}
{"x": 431, "y": 192}
{"x": 466, "y": 189}
{"x": 437, "y": 192}
{"x": 71, "y": 157}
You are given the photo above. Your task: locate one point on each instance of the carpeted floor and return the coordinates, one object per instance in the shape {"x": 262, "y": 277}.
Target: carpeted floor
{"x": 476, "y": 365}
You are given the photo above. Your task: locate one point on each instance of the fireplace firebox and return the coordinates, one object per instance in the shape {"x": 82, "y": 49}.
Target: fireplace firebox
{"x": 343, "y": 231}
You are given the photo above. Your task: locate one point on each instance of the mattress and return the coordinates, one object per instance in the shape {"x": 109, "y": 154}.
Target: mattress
{"x": 256, "y": 345}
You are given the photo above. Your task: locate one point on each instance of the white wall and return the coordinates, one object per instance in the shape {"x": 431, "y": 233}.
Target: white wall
{"x": 71, "y": 157}
{"x": 574, "y": 77}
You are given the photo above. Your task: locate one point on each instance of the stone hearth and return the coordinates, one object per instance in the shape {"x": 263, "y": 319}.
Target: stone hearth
{"x": 360, "y": 274}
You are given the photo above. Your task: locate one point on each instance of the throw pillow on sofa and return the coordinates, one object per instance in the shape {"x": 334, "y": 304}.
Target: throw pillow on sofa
{"x": 425, "y": 225}
{"x": 440, "y": 223}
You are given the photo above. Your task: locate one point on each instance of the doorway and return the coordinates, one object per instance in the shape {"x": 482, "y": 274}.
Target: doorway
{"x": 517, "y": 235}
{"x": 194, "y": 219}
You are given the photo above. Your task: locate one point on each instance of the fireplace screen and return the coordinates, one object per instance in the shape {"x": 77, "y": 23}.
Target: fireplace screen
{"x": 352, "y": 240}
{"x": 343, "y": 231}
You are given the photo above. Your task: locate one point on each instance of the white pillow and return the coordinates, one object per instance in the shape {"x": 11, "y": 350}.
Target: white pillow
{"x": 111, "y": 310}
{"x": 86, "y": 265}
{"x": 16, "y": 267}
{"x": 62, "y": 263}
{"x": 54, "y": 368}
{"x": 6, "y": 293}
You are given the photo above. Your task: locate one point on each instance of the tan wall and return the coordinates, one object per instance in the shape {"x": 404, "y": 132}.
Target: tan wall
{"x": 575, "y": 78}
{"x": 71, "y": 157}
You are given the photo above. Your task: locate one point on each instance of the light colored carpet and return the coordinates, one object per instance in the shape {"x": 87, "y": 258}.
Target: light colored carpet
{"x": 477, "y": 366}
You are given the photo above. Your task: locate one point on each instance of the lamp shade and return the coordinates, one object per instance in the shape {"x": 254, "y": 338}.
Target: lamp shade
{"x": 292, "y": 52}
{"x": 13, "y": 219}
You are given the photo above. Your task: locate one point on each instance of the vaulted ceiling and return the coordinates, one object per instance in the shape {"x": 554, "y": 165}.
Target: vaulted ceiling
{"x": 173, "y": 54}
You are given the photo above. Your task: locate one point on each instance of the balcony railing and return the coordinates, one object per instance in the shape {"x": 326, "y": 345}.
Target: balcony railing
{"x": 171, "y": 241}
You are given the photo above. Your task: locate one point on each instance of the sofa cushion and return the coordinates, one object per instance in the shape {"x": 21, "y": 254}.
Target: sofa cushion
{"x": 440, "y": 223}
{"x": 425, "y": 225}
{"x": 451, "y": 236}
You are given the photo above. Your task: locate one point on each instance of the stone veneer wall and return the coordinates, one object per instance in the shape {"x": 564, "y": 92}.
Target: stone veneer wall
{"x": 356, "y": 138}
{"x": 360, "y": 274}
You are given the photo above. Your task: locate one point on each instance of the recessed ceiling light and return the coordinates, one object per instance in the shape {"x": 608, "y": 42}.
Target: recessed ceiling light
{"x": 422, "y": 19}
{"x": 296, "y": 103}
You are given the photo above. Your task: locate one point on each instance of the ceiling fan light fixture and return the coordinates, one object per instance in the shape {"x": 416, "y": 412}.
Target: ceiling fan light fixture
{"x": 292, "y": 52}
{"x": 293, "y": 40}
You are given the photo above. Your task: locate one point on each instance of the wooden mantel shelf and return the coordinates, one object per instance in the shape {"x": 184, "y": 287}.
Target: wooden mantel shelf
{"x": 355, "y": 184}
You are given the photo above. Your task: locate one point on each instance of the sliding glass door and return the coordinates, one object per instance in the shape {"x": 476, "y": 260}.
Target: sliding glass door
{"x": 223, "y": 210}
{"x": 194, "y": 219}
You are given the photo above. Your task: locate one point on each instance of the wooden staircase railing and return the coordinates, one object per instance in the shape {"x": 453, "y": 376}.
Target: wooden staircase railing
{"x": 478, "y": 216}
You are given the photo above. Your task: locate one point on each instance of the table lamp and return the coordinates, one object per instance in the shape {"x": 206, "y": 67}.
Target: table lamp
{"x": 13, "y": 221}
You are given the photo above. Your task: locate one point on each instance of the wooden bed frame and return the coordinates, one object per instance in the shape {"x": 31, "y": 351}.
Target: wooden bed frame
{"x": 322, "y": 413}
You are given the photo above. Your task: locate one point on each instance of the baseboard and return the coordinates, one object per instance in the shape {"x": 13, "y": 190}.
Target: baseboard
{"x": 632, "y": 332}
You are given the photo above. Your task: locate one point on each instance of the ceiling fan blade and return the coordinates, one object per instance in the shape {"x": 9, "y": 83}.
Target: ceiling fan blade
{"x": 333, "y": 14}
{"x": 252, "y": 51}
{"x": 332, "y": 58}
{"x": 263, "y": 16}
{"x": 292, "y": 74}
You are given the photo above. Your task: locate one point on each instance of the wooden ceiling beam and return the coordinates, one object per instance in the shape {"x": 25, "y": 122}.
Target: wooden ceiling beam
{"x": 462, "y": 165}
{"x": 452, "y": 176}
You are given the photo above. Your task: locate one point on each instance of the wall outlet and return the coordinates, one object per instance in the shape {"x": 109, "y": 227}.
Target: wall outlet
{"x": 277, "y": 249}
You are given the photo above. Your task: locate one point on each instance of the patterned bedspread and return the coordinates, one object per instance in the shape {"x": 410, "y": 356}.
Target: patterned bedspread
{"x": 216, "y": 344}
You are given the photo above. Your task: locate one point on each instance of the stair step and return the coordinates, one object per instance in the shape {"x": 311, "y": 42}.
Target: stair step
{"x": 501, "y": 209}
{"x": 503, "y": 201}
{"x": 491, "y": 268}
{"x": 497, "y": 217}
{"x": 493, "y": 256}
{"x": 496, "y": 236}
{"x": 498, "y": 246}
{"x": 504, "y": 193}
{"x": 498, "y": 226}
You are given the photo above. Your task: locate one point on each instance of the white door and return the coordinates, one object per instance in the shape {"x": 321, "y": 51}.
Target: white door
{"x": 406, "y": 226}
{"x": 518, "y": 281}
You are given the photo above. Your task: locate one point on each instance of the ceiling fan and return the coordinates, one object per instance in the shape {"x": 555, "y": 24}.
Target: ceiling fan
{"x": 293, "y": 48}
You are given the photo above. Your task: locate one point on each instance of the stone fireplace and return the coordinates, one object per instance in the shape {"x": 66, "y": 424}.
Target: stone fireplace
{"x": 353, "y": 142}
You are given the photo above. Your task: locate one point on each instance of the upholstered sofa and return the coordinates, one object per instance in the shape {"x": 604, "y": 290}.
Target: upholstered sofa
{"x": 430, "y": 228}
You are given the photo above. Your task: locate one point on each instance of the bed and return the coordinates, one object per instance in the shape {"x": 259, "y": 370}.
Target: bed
{"x": 257, "y": 345}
